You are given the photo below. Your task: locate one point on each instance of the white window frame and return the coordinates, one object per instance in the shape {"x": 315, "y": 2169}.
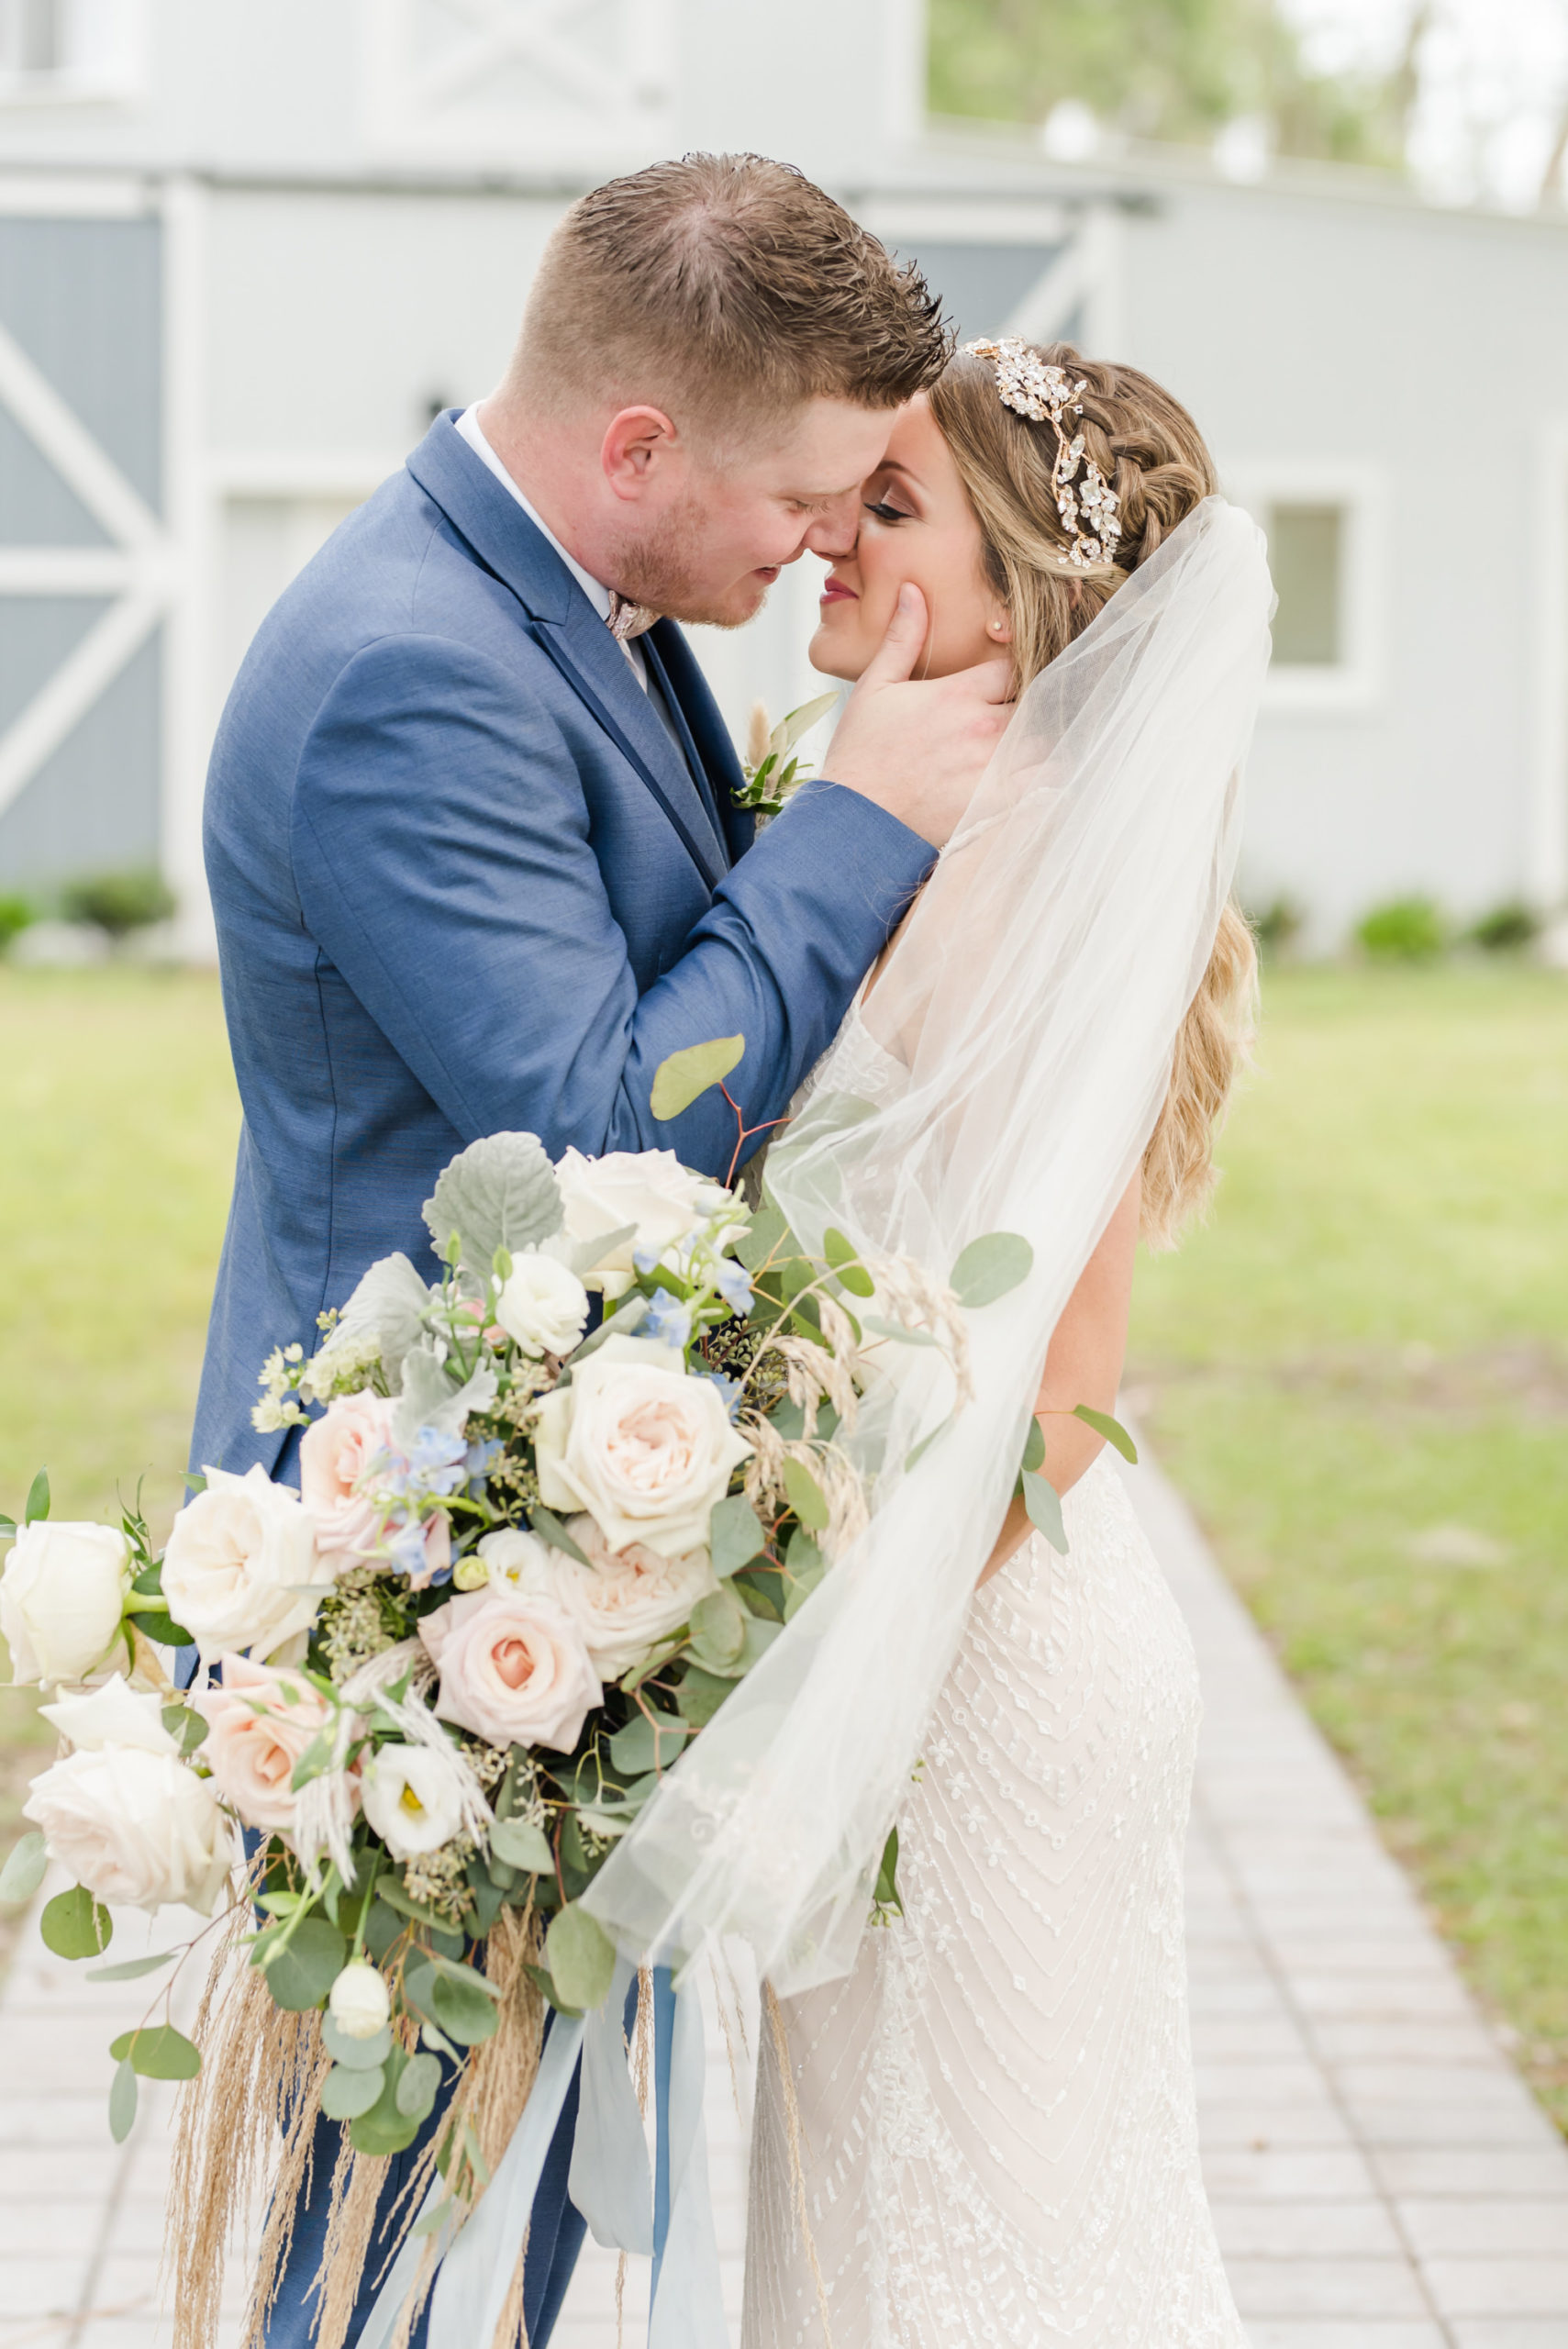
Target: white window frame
{"x": 1357, "y": 680}
{"x": 71, "y": 85}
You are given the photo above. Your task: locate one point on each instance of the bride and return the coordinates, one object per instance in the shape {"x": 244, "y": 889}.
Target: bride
{"x": 977, "y": 2124}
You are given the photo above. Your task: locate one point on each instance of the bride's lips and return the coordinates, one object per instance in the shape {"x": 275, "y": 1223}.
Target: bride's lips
{"x": 835, "y": 592}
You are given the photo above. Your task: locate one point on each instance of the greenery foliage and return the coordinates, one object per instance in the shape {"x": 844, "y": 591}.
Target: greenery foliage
{"x": 1507, "y": 929}
{"x": 1406, "y": 929}
{"x": 118, "y": 902}
{"x": 1359, "y": 1374}
{"x": 1159, "y": 69}
{"x": 16, "y": 914}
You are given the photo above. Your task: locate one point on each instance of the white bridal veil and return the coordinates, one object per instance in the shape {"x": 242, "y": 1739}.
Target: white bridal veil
{"x": 1005, "y": 1075}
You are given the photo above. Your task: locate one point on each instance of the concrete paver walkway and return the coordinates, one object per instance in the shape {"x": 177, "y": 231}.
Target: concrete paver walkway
{"x": 1381, "y": 2176}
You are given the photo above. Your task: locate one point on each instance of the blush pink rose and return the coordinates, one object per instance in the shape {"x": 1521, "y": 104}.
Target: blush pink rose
{"x": 258, "y": 1723}
{"x": 333, "y": 1456}
{"x": 514, "y": 1669}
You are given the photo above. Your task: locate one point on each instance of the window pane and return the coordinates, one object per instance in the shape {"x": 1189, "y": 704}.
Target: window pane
{"x": 1305, "y": 557}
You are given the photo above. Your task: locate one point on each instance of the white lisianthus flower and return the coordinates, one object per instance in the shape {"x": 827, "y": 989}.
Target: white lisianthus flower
{"x": 543, "y": 1306}
{"x": 410, "y": 1799}
{"x": 645, "y": 1450}
{"x": 124, "y": 1814}
{"x": 622, "y": 1601}
{"x": 241, "y": 1571}
{"x": 648, "y": 1189}
{"x": 360, "y": 2003}
{"x": 61, "y": 1598}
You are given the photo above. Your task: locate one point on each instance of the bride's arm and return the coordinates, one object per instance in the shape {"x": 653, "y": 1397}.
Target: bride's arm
{"x": 1084, "y": 1365}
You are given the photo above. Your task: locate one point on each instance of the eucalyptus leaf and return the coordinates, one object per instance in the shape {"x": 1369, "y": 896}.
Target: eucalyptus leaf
{"x": 518, "y": 1844}
{"x": 75, "y": 1925}
{"x": 844, "y": 1258}
{"x": 990, "y": 1266}
{"x": 416, "y": 2090}
{"x": 805, "y": 1566}
{"x": 767, "y": 1231}
{"x": 37, "y": 1499}
{"x": 548, "y": 1528}
{"x": 1034, "y": 1446}
{"x": 462, "y": 2010}
{"x": 158, "y": 2052}
{"x": 761, "y": 1633}
{"x": 1044, "y": 1506}
{"x": 1115, "y": 1434}
{"x": 700, "y": 1695}
{"x": 500, "y": 1192}
{"x": 24, "y": 1871}
{"x": 735, "y": 1535}
{"x": 806, "y": 1495}
{"x": 913, "y": 1458}
{"x": 355, "y": 2055}
{"x": 184, "y": 1723}
{"x": 685, "y": 1075}
{"x": 646, "y": 1744}
{"x": 347, "y": 2094}
{"x": 304, "y": 1968}
{"x": 897, "y": 1332}
{"x": 718, "y": 1630}
{"x": 123, "y": 2097}
{"x": 581, "y": 1957}
{"x": 133, "y": 1968}
{"x": 389, "y": 1306}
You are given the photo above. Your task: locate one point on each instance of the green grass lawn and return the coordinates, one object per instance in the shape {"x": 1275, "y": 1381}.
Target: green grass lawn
{"x": 1358, "y": 1371}
{"x": 116, "y": 1149}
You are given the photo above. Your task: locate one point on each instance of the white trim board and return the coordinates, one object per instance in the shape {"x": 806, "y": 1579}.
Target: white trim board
{"x": 1359, "y": 682}
{"x": 1546, "y": 847}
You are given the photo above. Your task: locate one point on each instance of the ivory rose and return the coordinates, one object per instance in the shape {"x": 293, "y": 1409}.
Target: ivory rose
{"x": 647, "y": 1188}
{"x": 645, "y": 1450}
{"x": 123, "y": 1814}
{"x": 334, "y": 1454}
{"x": 259, "y": 1724}
{"x": 621, "y": 1601}
{"x": 359, "y": 2002}
{"x": 61, "y": 1598}
{"x": 543, "y": 1307}
{"x": 411, "y": 1799}
{"x": 242, "y": 1569}
{"x": 514, "y": 1668}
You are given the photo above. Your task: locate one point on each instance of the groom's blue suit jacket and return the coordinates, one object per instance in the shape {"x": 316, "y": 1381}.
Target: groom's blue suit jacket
{"x": 465, "y": 881}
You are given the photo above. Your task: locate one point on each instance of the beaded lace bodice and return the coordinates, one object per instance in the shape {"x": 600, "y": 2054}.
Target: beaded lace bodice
{"x": 997, "y": 2127}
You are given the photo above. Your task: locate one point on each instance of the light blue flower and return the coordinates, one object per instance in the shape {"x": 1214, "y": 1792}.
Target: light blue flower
{"x": 669, "y": 1321}
{"x": 728, "y": 1390}
{"x": 733, "y": 1282}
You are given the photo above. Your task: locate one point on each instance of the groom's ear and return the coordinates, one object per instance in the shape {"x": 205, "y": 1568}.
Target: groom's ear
{"x": 639, "y": 445}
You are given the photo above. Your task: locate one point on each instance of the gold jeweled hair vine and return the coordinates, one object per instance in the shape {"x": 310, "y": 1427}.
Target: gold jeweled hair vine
{"x": 1046, "y": 395}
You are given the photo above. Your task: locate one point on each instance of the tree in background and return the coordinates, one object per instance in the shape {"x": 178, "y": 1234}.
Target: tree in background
{"x": 1177, "y": 69}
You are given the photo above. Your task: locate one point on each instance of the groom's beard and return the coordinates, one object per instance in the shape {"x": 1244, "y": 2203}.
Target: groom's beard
{"x": 661, "y": 570}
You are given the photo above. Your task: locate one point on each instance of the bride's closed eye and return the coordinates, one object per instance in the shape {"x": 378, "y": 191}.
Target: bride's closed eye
{"x": 887, "y": 513}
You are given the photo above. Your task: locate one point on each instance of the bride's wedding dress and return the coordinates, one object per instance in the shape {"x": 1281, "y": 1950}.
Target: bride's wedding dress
{"x": 995, "y": 2107}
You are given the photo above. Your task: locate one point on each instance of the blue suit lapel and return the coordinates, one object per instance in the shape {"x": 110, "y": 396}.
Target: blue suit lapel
{"x": 689, "y": 695}
{"x": 568, "y": 629}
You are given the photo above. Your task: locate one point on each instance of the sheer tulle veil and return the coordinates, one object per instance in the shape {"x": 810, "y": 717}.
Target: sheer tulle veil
{"x": 1005, "y": 1074}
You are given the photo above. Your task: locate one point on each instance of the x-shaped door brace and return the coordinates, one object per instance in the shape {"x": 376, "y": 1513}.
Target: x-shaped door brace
{"x": 136, "y": 569}
{"x": 511, "y": 32}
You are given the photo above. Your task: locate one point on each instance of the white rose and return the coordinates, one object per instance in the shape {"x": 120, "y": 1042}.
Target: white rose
{"x": 647, "y": 1188}
{"x": 645, "y": 1450}
{"x": 621, "y": 1601}
{"x": 134, "y": 1826}
{"x": 61, "y": 1596}
{"x": 410, "y": 1798}
{"x": 543, "y": 1306}
{"x": 360, "y": 2003}
{"x": 115, "y": 1714}
{"x": 241, "y": 1570}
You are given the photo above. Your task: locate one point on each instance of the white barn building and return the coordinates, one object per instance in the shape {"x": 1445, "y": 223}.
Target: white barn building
{"x": 246, "y": 253}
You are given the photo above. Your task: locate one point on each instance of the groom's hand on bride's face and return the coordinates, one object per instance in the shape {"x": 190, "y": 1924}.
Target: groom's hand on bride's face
{"x": 918, "y": 748}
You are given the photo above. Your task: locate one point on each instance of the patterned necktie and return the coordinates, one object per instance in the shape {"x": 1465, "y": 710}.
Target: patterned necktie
{"x": 627, "y": 620}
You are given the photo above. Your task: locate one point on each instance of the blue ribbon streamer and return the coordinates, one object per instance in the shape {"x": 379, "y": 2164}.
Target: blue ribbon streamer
{"x": 609, "y": 2181}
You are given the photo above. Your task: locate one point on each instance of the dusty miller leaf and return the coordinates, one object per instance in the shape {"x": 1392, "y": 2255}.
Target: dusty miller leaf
{"x": 388, "y": 1306}
{"x": 500, "y": 1192}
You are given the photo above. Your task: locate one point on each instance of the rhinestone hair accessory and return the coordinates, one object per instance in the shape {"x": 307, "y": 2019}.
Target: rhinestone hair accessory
{"x": 1048, "y": 395}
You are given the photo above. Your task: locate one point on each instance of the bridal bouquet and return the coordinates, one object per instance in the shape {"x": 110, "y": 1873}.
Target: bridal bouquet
{"x": 527, "y": 1560}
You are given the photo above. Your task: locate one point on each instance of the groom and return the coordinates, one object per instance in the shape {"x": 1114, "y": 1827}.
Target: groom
{"x": 471, "y": 832}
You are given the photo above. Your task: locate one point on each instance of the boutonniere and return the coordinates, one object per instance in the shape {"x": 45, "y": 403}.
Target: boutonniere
{"x": 770, "y": 781}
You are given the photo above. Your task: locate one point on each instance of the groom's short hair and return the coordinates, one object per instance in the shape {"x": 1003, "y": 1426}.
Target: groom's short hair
{"x": 727, "y": 289}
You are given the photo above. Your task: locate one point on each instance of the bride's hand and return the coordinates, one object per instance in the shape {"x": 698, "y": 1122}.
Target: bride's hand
{"x": 918, "y": 749}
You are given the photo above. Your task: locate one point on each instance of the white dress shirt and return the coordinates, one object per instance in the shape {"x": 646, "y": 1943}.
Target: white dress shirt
{"x": 597, "y": 594}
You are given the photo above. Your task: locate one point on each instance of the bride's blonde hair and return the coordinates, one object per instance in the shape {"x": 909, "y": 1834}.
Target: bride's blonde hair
{"x": 1153, "y": 455}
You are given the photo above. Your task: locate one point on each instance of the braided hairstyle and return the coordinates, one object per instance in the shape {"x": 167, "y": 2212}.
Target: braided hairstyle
{"x": 1153, "y": 455}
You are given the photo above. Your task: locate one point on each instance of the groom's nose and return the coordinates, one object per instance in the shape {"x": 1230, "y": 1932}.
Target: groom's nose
{"x": 835, "y": 530}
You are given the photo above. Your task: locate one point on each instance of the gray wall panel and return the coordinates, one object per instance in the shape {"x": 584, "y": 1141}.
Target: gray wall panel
{"x": 37, "y": 633}
{"x": 37, "y": 510}
{"x": 84, "y": 300}
{"x": 981, "y": 285}
{"x": 94, "y": 806}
